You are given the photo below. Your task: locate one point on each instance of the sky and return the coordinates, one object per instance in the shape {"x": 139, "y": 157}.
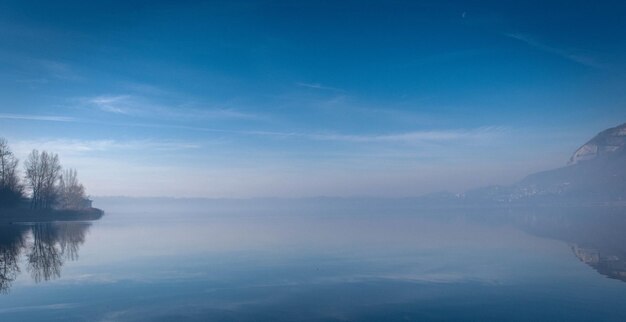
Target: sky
{"x": 240, "y": 99}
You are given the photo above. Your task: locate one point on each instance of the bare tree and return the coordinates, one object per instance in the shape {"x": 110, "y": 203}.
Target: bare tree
{"x": 42, "y": 173}
{"x": 71, "y": 192}
{"x": 10, "y": 187}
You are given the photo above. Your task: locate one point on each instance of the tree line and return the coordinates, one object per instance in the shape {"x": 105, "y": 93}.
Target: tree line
{"x": 44, "y": 181}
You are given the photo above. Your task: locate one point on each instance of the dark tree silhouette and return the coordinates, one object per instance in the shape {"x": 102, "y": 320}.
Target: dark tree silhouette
{"x": 42, "y": 173}
{"x": 71, "y": 192}
{"x": 11, "y": 190}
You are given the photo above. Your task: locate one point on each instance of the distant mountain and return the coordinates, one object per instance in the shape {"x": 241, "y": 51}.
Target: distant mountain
{"x": 596, "y": 172}
{"x": 607, "y": 143}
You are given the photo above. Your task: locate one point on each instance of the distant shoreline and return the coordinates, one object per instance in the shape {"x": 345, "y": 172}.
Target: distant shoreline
{"x": 20, "y": 215}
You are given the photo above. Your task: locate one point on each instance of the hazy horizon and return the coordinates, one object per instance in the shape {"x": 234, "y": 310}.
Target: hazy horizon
{"x": 270, "y": 99}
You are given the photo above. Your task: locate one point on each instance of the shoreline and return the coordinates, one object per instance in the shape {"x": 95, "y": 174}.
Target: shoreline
{"x": 10, "y": 216}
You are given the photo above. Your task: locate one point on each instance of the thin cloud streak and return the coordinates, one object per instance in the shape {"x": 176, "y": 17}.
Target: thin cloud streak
{"x": 213, "y": 113}
{"x": 78, "y": 146}
{"x": 31, "y": 117}
{"x": 567, "y": 54}
{"x": 59, "y": 306}
{"x": 139, "y": 106}
{"x": 414, "y": 136}
{"x": 110, "y": 103}
{"x": 320, "y": 86}
{"x": 403, "y": 137}
{"x": 59, "y": 70}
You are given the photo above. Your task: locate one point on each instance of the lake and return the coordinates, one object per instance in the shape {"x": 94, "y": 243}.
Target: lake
{"x": 152, "y": 263}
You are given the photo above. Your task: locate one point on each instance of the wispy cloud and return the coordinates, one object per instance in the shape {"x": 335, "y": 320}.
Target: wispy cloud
{"x": 33, "y": 81}
{"x": 486, "y": 132}
{"x": 58, "y": 70}
{"x": 319, "y": 86}
{"x": 144, "y": 88}
{"x": 75, "y": 146}
{"x": 58, "y": 306}
{"x": 210, "y": 113}
{"x": 112, "y": 104}
{"x": 139, "y": 106}
{"x": 413, "y": 136}
{"x": 31, "y": 117}
{"x": 78, "y": 146}
{"x": 38, "y": 71}
{"x": 571, "y": 55}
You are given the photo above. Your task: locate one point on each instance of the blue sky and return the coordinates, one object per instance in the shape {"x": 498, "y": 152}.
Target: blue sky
{"x": 308, "y": 98}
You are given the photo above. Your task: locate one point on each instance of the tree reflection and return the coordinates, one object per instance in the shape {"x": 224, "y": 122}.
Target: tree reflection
{"x": 49, "y": 246}
{"x": 44, "y": 257}
{"x": 11, "y": 244}
{"x": 53, "y": 243}
{"x": 70, "y": 237}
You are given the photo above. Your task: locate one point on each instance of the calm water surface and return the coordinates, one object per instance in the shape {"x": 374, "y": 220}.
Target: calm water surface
{"x": 163, "y": 265}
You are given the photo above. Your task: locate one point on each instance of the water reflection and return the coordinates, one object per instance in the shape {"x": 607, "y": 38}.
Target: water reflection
{"x": 596, "y": 236}
{"x": 45, "y": 247}
{"x": 11, "y": 243}
{"x": 482, "y": 265}
{"x": 610, "y": 265}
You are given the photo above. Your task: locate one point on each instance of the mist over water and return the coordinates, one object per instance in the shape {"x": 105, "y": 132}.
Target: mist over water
{"x": 431, "y": 160}
{"x": 299, "y": 261}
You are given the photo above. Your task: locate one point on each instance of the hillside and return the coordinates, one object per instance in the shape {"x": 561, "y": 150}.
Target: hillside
{"x": 596, "y": 172}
